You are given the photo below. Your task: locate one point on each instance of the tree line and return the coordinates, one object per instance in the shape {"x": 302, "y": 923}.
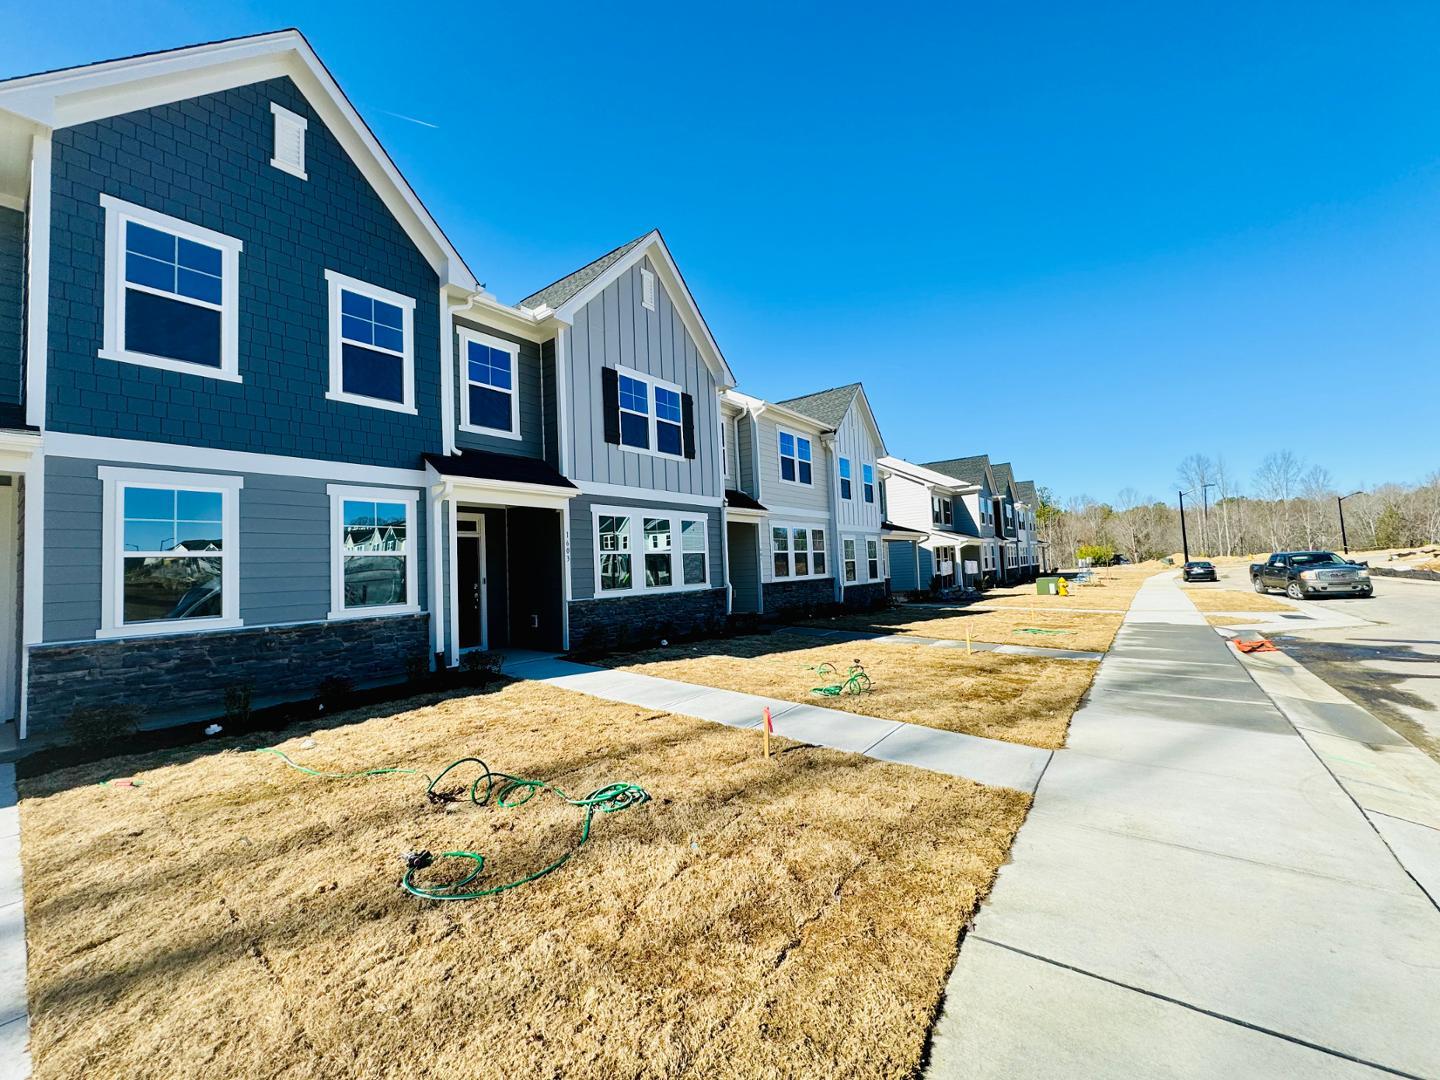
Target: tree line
{"x": 1287, "y": 504}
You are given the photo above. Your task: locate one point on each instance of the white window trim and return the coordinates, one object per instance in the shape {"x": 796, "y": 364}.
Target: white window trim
{"x": 780, "y": 456}
{"x": 112, "y": 589}
{"x": 117, "y": 212}
{"x": 339, "y": 494}
{"x": 867, "y": 487}
{"x": 791, "y": 528}
{"x": 466, "y": 337}
{"x": 406, "y": 304}
{"x": 285, "y": 116}
{"x": 637, "y": 516}
{"x": 647, "y": 289}
{"x": 871, "y": 544}
{"x": 652, "y": 382}
{"x": 849, "y": 556}
{"x": 842, "y": 478}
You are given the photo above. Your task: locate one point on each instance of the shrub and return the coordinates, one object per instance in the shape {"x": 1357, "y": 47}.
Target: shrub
{"x": 98, "y": 723}
{"x": 237, "y": 704}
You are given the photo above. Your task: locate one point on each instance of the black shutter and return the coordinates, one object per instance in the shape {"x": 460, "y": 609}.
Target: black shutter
{"x": 687, "y": 417}
{"x": 610, "y": 402}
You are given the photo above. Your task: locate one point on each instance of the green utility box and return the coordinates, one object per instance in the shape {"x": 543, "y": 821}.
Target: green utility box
{"x": 1047, "y": 586}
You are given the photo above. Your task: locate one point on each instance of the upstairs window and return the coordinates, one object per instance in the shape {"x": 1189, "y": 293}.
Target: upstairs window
{"x": 867, "y": 473}
{"x": 489, "y": 401}
{"x": 646, "y": 414}
{"x": 171, "y": 293}
{"x": 795, "y": 463}
{"x": 289, "y": 153}
{"x": 941, "y": 511}
{"x": 372, "y": 357}
{"x": 845, "y": 492}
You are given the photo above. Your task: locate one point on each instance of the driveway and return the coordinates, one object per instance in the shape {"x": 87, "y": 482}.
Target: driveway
{"x": 1390, "y": 664}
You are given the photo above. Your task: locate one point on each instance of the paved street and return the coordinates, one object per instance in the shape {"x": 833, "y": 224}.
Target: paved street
{"x": 1198, "y": 892}
{"x": 1392, "y": 666}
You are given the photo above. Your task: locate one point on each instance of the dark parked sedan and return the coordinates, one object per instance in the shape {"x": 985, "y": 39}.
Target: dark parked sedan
{"x": 1199, "y": 571}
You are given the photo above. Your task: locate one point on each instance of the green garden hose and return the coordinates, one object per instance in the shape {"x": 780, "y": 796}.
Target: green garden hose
{"x": 510, "y": 792}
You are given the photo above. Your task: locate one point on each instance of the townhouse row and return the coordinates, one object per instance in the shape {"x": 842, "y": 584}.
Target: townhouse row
{"x": 261, "y": 425}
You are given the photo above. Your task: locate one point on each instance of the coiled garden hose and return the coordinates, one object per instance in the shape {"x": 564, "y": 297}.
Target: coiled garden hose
{"x": 510, "y": 792}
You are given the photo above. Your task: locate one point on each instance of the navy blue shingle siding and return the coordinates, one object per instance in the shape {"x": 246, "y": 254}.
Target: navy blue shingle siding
{"x": 207, "y": 161}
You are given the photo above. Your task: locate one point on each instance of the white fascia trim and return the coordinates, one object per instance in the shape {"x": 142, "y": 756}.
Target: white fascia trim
{"x": 12, "y": 202}
{"x": 869, "y": 416}
{"x": 745, "y": 514}
{"x": 448, "y": 420}
{"x": 410, "y": 497}
{"x": 503, "y": 493}
{"x": 112, "y": 582}
{"x": 79, "y": 95}
{"x": 482, "y": 307}
{"x": 511, "y": 349}
{"x": 179, "y": 456}
{"x": 669, "y": 274}
{"x": 621, "y": 491}
{"x": 336, "y": 282}
{"x": 562, "y": 402}
{"x": 435, "y": 508}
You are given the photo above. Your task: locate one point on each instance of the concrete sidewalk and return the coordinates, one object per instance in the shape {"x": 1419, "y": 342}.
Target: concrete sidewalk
{"x": 987, "y": 761}
{"x": 1193, "y": 895}
{"x": 14, "y": 1021}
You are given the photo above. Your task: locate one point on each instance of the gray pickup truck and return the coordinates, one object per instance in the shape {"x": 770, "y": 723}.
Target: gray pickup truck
{"x": 1306, "y": 574}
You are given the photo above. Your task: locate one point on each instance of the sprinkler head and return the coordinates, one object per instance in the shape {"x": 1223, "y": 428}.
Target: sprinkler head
{"x": 418, "y": 860}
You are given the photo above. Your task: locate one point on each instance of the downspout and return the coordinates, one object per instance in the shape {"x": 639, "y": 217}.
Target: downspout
{"x": 827, "y": 440}
{"x": 437, "y": 574}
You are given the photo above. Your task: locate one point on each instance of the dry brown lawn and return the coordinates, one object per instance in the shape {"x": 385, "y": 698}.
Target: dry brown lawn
{"x": 1112, "y": 588}
{"x": 1233, "y": 620}
{"x": 234, "y": 918}
{"x": 1233, "y": 600}
{"x": 1020, "y": 699}
{"x": 1088, "y": 630}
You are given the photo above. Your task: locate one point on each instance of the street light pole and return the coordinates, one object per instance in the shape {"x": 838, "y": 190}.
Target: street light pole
{"x": 1184, "y": 539}
{"x": 1205, "y": 516}
{"x": 1340, "y": 506}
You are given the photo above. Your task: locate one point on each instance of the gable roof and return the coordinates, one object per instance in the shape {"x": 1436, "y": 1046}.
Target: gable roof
{"x": 973, "y": 470}
{"x": 1004, "y": 477}
{"x": 556, "y": 293}
{"x": 925, "y": 476}
{"x": 76, "y": 95}
{"x": 828, "y": 406}
{"x": 577, "y": 289}
{"x": 1025, "y": 493}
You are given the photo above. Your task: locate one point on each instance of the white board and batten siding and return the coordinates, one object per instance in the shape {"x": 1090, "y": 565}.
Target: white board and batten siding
{"x": 615, "y": 329}
{"x": 855, "y": 442}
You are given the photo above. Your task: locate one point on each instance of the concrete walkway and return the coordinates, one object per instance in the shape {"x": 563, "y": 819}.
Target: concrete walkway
{"x": 987, "y": 761}
{"x": 14, "y": 1020}
{"x": 1193, "y": 895}
{"x": 878, "y": 638}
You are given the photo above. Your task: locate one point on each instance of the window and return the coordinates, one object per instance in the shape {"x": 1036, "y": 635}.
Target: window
{"x": 872, "y": 559}
{"x": 289, "y": 141}
{"x": 171, "y": 293}
{"x": 170, "y": 560}
{"x": 647, "y": 289}
{"x": 372, "y": 551}
{"x": 674, "y": 549}
{"x": 795, "y": 463}
{"x": 848, "y": 550}
{"x": 942, "y": 511}
{"x": 844, "y": 478}
{"x": 614, "y": 548}
{"x": 867, "y": 472}
{"x": 797, "y": 551}
{"x": 372, "y": 357}
{"x": 658, "y": 553}
{"x": 489, "y": 400}
{"x": 669, "y": 419}
{"x": 661, "y": 430}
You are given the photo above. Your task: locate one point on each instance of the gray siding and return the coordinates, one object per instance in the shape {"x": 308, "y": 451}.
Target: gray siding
{"x": 780, "y": 494}
{"x": 12, "y": 299}
{"x": 550, "y": 402}
{"x": 582, "y": 538}
{"x": 745, "y": 456}
{"x": 284, "y": 548}
{"x": 616, "y": 329}
{"x": 529, "y": 384}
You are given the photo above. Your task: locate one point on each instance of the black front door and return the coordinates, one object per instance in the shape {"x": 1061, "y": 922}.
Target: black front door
{"x": 467, "y": 583}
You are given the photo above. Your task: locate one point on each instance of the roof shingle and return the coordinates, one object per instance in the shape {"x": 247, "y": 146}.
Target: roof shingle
{"x": 557, "y": 292}
{"x": 828, "y": 406}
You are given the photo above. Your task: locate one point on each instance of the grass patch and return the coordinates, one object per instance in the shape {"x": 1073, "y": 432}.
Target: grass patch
{"x": 1111, "y": 588}
{"x": 1087, "y": 630}
{"x": 1233, "y": 620}
{"x": 232, "y": 917}
{"x": 1233, "y": 600}
{"x": 1020, "y": 699}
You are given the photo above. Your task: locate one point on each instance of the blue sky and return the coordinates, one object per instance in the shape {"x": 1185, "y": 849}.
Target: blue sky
{"x": 1090, "y": 239}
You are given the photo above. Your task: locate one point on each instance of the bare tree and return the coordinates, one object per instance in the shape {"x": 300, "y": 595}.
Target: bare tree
{"x": 1196, "y": 473}
{"x": 1276, "y": 482}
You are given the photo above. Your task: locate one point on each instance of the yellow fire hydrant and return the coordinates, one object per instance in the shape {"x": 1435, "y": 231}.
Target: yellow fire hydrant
{"x": 1062, "y": 587}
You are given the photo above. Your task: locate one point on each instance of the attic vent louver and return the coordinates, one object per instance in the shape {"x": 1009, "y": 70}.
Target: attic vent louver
{"x": 647, "y": 288}
{"x": 289, "y": 141}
